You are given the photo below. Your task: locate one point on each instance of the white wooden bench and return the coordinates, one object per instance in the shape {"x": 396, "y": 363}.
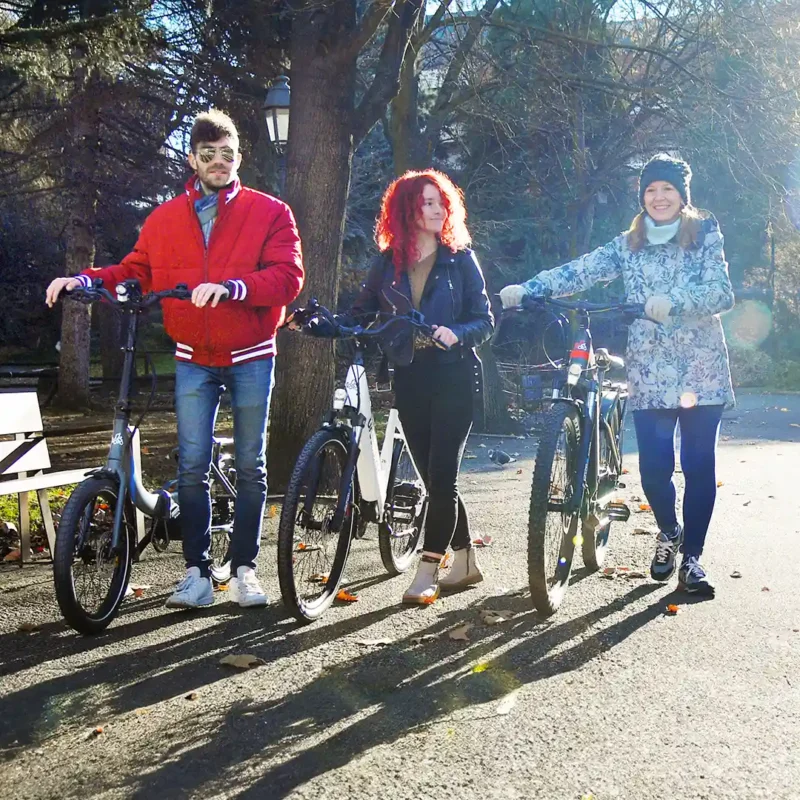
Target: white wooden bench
{"x": 23, "y": 459}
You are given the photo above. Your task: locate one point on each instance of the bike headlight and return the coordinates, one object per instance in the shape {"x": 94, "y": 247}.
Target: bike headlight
{"x": 339, "y": 396}
{"x": 574, "y": 373}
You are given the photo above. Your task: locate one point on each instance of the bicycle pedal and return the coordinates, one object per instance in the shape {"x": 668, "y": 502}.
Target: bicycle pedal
{"x": 617, "y": 511}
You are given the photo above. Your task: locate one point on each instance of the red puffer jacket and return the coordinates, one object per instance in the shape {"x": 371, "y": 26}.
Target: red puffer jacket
{"x": 254, "y": 245}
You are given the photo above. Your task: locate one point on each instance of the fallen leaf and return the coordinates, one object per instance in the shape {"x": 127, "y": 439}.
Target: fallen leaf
{"x": 635, "y": 498}
{"x": 765, "y": 588}
{"x": 720, "y": 483}
{"x": 97, "y": 731}
{"x": 319, "y": 577}
{"x": 672, "y": 609}
{"x": 645, "y": 507}
{"x": 609, "y": 572}
{"x": 489, "y": 617}
{"x": 635, "y": 575}
{"x": 736, "y": 574}
{"x": 625, "y": 471}
{"x": 478, "y": 668}
{"x": 145, "y": 451}
{"x": 374, "y": 642}
{"x": 346, "y": 597}
{"x": 273, "y": 510}
{"x": 191, "y": 696}
{"x": 223, "y": 587}
{"x": 14, "y": 555}
{"x": 445, "y": 562}
{"x": 28, "y": 627}
{"x": 507, "y": 703}
{"x": 519, "y": 472}
{"x": 460, "y": 634}
{"x": 138, "y": 593}
{"x": 242, "y": 661}
{"x": 642, "y": 532}
{"x": 142, "y": 712}
{"x": 481, "y": 445}
{"x": 425, "y": 637}
{"x": 482, "y": 541}
{"x": 747, "y": 503}
{"x": 302, "y": 546}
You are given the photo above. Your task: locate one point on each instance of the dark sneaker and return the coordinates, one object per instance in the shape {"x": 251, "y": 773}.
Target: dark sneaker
{"x": 692, "y": 578}
{"x": 667, "y": 547}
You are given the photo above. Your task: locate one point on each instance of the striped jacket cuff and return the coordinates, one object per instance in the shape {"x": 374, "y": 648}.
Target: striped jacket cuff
{"x": 237, "y": 289}
{"x": 85, "y": 280}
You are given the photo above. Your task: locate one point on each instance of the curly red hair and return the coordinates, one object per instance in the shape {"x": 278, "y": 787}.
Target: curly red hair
{"x": 396, "y": 229}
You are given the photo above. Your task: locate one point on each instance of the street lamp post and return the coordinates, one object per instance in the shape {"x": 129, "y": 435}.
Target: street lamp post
{"x": 276, "y": 112}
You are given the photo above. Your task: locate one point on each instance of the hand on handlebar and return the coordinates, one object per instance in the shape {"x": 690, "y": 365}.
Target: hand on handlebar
{"x": 209, "y": 292}
{"x": 658, "y": 308}
{"x": 57, "y": 286}
{"x": 512, "y": 296}
{"x": 444, "y": 336}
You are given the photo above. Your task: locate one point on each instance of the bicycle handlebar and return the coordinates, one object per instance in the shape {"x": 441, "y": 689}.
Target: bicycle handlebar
{"x": 533, "y": 302}
{"x": 128, "y": 294}
{"x": 304, "y": 316}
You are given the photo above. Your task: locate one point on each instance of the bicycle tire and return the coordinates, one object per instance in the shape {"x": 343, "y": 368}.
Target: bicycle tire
{"x": 548, "y": 573}
{"x": 406, "y": 500}
{"x": 72, "y": 531}
{"x": 289, "y": 548}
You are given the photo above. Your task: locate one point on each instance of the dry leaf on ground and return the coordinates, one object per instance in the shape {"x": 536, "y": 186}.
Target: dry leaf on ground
{"x": 425, "y": 637}
{"x": 478, "y": 668}
{"x": 489, "y": 617}
{"x": 635, "y": 575}
{"x": 191, "y": 696}
{"x": 374, "y": 642}
{"x": 14, "y": 555}
{"x": 672, "y": 609}
{"x": 644, "y": 507}
{"x": 765, "y": 588}
{"x": 28, "y": 627}
{"x": 609, "y": 572}
{"x": 736, "y": 574}
{"x": 720, "y": 483}
{"x": 459, "y": 634}
{"x": 273, "y": 510}
{"x": 242, "y": 661}
{"x": 507, "y": 703}
{"x": 318, "y": 577}
{"x": 346, "y": 597}
{"x": 642, "y": 532}
{"x": 445, "y": 562}
{"x": 482, "y": 541}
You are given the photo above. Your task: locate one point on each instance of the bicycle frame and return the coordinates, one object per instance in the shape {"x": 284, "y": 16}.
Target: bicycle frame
{"x": 595, "y": 410}
{"x": 370, "y": 462}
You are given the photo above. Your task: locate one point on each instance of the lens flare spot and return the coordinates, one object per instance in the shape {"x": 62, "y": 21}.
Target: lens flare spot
{"x": 748, "y": 324}
{"x": 577, "y": 540}
{"x": 562, "y": 561}
{"x": 688, "y": 400}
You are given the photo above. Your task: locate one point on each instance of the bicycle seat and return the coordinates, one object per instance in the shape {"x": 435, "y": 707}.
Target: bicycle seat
{"x": 606, "y": 361}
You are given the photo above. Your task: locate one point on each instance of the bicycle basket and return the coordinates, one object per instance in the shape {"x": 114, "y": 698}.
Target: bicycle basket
{"x": 531, "y": 355}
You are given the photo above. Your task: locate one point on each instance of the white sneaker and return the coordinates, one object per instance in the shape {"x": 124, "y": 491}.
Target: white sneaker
{"x": 193, "y": 591}
{"x": 424, "y": 588}
{"x": 245, "y": 589}
{"x": 465, "y": 571}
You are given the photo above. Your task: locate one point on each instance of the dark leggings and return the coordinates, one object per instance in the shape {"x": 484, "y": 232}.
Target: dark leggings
{"x": 655, "y": 434}
{"x": 434, "y": 401}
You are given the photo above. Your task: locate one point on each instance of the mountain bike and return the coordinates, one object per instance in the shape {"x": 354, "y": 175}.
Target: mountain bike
{"x": 579, "y": 457}
{"x": 96, "y": 541}
{"x": 344, "y": 480}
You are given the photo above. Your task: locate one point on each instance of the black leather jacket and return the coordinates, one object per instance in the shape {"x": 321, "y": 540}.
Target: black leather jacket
{"x": 454, "y": 296}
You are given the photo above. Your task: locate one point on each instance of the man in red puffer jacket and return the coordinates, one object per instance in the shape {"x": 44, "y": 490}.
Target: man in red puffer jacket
{"x": 224, "y": 241}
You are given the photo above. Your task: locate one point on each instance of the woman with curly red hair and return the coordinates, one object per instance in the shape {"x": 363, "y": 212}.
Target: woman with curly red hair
{"x": 425, "y": 264}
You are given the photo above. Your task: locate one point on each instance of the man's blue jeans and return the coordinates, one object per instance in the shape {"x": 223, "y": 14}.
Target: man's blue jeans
{"x": 197, "y": 394}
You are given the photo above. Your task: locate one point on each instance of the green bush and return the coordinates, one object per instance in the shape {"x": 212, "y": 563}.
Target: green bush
{"x": 750, "y": 366}
{"x": 786, "y": 376}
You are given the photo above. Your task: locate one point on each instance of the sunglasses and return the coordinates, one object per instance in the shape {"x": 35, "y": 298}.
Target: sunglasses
{"x": 207, "y": 154}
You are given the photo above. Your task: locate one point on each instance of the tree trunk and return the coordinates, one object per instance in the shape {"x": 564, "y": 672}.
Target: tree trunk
{"x": 109, "y": 327}
{"x": 408, "y": 147}
{"x": 318, "y": 177}
{"x": 73, "y": 373}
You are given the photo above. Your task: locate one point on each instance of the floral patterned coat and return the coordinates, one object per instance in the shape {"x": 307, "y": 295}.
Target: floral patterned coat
{"x": 684, "y": 361}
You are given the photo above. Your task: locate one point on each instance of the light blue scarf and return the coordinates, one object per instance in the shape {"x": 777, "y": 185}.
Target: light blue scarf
{"x": 660, "y": 234}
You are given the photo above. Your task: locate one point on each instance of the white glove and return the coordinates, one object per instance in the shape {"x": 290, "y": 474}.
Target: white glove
{"x": 658, "y": 307}
{"x": 511, "y": 296}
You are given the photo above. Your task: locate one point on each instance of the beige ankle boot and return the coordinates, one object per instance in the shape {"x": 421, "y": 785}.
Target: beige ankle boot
{"x": 424, "y": 588}
{"x": 465, "y": 571}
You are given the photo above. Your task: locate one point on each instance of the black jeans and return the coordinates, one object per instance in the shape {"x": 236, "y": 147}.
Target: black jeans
{"x": 434, "y": 401}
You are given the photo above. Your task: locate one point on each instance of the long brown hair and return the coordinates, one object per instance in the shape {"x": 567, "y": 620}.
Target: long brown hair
{"x": 688, "y": 233}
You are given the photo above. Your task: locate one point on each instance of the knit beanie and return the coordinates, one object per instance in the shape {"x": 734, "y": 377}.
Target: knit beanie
{"x": 665, "y": 168}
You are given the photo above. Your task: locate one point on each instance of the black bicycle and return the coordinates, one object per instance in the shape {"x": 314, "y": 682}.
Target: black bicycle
{"x": 344, "y": 479}
{"x": 96, "y": 541}
{"x": 579, "y": 457}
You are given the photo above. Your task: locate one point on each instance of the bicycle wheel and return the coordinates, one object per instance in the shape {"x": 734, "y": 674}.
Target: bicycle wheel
{"x": 404, "y": 519}
{"x": 551, "y": 531}
{"x": 90, "y": 579}
{"x": 311, "y": 557}
{"x": 595, "y": 538}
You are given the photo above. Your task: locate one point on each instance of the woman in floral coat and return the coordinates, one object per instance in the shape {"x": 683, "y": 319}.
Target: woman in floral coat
{"x": 671, "y": 259}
